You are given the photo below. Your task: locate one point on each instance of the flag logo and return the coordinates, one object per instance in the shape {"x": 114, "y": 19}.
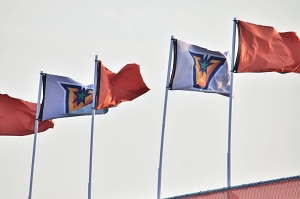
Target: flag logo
{"x": 204, "y": 68}
{"x": 76, "y": 97}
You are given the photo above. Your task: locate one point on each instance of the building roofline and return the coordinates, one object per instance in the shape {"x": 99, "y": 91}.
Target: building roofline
{"x": 236, "y": 187}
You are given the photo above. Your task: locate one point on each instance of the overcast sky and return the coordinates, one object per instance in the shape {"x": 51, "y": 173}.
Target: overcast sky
{"x": 63, "y": 37}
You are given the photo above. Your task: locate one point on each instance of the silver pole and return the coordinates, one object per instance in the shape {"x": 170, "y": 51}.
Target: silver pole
{"x": 163, "y": 122}
{"x": 230, "y": 106}
{"x": 92, "y": 130}
{"x": 35, "y": 134}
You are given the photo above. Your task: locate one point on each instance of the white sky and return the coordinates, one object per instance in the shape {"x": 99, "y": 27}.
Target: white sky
{"x": 63, "y": 37}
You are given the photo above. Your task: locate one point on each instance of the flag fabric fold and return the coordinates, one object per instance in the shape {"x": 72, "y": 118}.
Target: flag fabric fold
{"x": 126, "y": 85}
{"x": 199, "y": 69}
{"x": 65, "y": 97}
{"x": 17, "y": 117}
{"x": 263, "y": 49}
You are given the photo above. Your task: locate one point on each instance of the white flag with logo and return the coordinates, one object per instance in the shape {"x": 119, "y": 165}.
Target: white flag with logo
{"x": 65, "y": 97}
{"x": 198, "y": 69}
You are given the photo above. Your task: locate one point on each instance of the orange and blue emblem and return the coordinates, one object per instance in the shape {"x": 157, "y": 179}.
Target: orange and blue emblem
{"x": 204, "y": 69}
{"x": 77, "y": 97}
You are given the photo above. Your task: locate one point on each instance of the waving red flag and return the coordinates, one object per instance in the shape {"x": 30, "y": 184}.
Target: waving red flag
{"x": 124, "y": 86}
{"x": 263, "y": 49}
{"x": 17, "y": 117}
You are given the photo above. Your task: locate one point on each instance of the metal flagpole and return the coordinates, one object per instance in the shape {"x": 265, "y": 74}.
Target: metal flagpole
{"x": 35, "y": 134}
{"x": 230, "y": 106}
{"x": 92, "y": 131}
{"x": 164, "y": 119}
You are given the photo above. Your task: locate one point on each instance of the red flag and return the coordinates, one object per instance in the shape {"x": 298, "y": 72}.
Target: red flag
{"x": 263, "y": 49}
{"x": 124, "y": 86}
{"x": 17, "y": 117}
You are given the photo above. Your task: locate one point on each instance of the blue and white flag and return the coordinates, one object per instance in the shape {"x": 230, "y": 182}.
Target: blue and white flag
{"x": 199, "y": 69}
{"x": 65, "y": 97}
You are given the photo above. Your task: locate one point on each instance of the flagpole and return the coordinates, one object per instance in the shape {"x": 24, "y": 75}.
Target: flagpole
{"x": 164, "y": 119}
{"x": 230, "y": 106}
{"x": 92, "y": 131}
{"x": 35, "y": 134}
